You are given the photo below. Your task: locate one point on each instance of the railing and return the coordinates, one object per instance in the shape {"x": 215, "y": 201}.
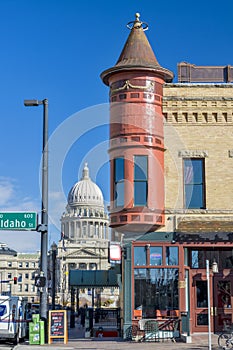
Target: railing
{"x": 155, "y": 330}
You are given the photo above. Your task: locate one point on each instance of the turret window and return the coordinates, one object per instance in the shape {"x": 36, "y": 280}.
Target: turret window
{"x": 119, "y": 182}
{"x": 140, "y": 180}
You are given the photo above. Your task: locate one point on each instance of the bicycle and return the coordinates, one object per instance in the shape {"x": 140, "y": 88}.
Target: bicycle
{"x": 225, "y": 341}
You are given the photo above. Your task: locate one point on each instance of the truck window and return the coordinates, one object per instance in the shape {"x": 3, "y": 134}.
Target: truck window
{"x": 2, "y": 310}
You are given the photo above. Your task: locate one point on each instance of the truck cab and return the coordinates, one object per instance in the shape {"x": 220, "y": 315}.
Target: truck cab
{"x": 13, "y": 325}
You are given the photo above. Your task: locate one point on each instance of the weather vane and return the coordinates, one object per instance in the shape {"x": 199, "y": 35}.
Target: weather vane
{"x": 137, "y": 23}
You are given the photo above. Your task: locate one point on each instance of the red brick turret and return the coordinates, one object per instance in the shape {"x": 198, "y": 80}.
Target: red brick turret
{"x": 136, "y": 135}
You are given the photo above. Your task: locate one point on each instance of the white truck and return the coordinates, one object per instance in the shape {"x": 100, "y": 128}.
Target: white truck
{"x": 13, "y": 324}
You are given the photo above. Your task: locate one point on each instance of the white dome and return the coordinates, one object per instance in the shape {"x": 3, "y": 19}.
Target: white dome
{"x": 85, "y": 192}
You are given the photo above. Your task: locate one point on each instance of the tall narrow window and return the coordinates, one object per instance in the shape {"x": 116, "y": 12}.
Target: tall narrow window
{"x": 119, "y": 182}
{"x": 140, "y": 180}
{"x": 194, "y": 183}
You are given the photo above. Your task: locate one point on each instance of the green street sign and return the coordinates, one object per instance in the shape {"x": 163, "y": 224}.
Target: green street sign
{"x": 18, "y": 221}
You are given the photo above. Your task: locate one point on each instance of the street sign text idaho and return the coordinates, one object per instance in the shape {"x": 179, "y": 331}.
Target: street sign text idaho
{"x": 20, "y": 221}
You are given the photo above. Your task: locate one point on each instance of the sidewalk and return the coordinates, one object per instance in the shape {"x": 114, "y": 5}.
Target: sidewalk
{"x": 76, "y": 341}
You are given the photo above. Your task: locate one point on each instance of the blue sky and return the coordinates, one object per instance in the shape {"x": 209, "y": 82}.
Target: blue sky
{"x": 56, "y": 49}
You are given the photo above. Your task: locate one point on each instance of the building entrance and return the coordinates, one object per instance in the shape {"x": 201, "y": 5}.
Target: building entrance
{"x": 199, "y": 302}
{"x": 223, "y": 296}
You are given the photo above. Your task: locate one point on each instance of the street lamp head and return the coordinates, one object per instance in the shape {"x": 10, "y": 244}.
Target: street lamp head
{"x": 29, "y": 103}
{"x": 54, "y": 247}
{"x": 215, "y": 266}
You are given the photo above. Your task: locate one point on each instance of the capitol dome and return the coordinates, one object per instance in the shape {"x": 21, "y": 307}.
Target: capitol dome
{"x": 85, "y": 192}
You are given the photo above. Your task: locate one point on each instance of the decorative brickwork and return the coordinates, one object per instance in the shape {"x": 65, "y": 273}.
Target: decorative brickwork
{"x": 198, "y": 123}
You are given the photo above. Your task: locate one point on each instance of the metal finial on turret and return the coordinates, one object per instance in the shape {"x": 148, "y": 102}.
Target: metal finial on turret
{"x": 137, "y": 24}
{"x": 137, "y": 16}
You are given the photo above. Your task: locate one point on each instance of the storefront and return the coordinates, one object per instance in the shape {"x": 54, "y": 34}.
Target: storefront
{"x": 169, "y": 278}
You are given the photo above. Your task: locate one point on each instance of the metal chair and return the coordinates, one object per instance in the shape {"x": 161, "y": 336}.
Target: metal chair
{"x": 169, "y": 330}
{"x": 132, "y": 332}
{"x": 151, "y": 330}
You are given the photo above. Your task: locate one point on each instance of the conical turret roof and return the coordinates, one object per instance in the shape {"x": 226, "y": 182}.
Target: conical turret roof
{"x": 137, "y": 54}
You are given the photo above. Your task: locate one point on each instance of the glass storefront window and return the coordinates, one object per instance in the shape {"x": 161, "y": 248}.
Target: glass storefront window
{"x": 195, "y": 259}
{"x": 156, "y": 257}
{"x": 155, "y": 289}
{"x": 226, "y": 259}
{"x": 139, "y": 256}
{"x": 172, "y": 256}
{"x": 223, "y": 257}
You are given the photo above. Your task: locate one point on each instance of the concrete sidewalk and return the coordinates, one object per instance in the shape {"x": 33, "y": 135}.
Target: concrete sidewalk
{"x": 115, "y": 345}
{"x": 76, "y": 341}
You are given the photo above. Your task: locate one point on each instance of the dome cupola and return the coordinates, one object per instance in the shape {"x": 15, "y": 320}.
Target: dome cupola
{"x": 85, "y": 192}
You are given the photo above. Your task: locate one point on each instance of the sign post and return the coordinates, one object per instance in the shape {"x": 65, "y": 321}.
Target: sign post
{"x": 18, "y": 221}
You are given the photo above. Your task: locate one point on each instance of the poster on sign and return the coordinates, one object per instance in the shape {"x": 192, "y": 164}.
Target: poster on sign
{"x": 58, "y": 325}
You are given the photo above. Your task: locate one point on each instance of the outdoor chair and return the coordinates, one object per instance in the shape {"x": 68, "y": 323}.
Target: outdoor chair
{"x": 151, "y": 331}
{"x": 132, "y": 332}
{"x": 169, "y": 330}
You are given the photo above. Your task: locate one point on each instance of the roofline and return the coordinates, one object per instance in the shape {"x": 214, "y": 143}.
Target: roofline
{"x": 157, "y": 70}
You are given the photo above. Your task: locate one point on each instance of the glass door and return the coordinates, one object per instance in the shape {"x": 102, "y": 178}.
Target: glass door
{"x": 223, "y": 297}
{"x": 199, "y": 302}
{"x": 201, "y": 305}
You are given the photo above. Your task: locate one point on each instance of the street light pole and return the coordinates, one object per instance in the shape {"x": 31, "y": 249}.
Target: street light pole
{"x": 43, "y": 227}
{"x": 208, "y": 298}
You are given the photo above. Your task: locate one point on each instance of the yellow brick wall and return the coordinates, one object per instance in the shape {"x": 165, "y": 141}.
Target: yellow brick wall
{"x": 198, "y": 121}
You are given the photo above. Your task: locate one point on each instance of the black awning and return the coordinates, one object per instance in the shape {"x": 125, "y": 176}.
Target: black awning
{"x": 214, "y": 237}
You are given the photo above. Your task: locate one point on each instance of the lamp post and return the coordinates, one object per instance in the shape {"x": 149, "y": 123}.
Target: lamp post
{"x": 214, "y": 270}
{"x": 208, "y": 297}
{"x": 54, "y": 254}
{"x": 43, "y": 227}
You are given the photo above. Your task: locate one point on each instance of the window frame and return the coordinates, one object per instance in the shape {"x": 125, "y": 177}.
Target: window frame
{"x": 137, "y": 181}
{"x": 147, "y": 249}
{"x": 189, "y": 182}
{"x": 119, "y": 182}
{"x": 149, "y": 270}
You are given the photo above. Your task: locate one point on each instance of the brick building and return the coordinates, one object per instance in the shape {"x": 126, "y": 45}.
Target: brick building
{"x": 171, "y": 162}
{"x": 17, "y": 273}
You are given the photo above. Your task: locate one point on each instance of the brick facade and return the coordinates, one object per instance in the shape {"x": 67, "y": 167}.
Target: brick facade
{"x": 198, "y": 123}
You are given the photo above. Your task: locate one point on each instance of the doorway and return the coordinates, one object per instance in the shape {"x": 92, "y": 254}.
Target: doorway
{"x": 223, "y": 300}
{"x": 199, "y": 302}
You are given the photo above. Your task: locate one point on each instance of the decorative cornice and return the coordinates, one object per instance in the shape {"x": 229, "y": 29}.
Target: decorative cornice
{"x": 208, "y": 98}
{"x": 216, "y": 212}
{"x": 196, "y": 85}
{"x": 149, "y": 87}
{"x": 192, "y": 154}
